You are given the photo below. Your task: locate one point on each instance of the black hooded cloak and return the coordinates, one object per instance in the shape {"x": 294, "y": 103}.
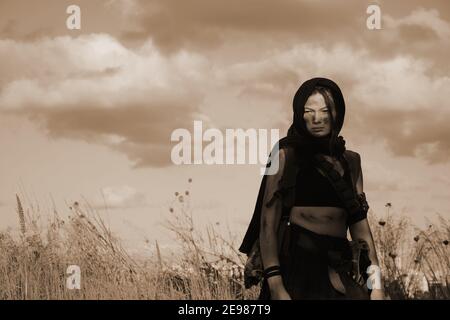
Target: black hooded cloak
{"x": 304, "y": 146}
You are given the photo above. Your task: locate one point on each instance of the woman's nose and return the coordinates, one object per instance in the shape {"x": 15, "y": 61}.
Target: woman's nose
{"x": 317, "y": 118}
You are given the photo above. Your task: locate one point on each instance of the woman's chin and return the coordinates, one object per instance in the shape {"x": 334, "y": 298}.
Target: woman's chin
{"x": 319, "y": 134}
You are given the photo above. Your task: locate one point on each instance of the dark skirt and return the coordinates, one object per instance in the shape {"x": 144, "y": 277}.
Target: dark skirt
{"x": 305, "y": 258}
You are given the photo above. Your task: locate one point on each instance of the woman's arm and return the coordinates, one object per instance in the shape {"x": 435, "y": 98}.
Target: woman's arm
{"x": 361, "y": 230}
{"x": 268, "y": 238}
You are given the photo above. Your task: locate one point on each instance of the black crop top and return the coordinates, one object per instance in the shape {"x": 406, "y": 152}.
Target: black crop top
{"x": 314, "y": 190}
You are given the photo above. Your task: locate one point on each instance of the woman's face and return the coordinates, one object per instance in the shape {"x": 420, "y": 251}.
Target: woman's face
{"x": 317, "y": 116}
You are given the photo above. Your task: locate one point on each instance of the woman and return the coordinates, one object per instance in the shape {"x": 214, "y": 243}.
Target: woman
{"x": 307, "y": 255}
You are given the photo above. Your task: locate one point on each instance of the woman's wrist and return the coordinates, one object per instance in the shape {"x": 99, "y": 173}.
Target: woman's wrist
{"x": 272, "y": 271}
{"x": 275, "y": 283}
{"x": 272, "y": 275}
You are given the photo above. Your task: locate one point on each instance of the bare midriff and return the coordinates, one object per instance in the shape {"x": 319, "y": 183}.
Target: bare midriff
{"x": 322, "y": 220}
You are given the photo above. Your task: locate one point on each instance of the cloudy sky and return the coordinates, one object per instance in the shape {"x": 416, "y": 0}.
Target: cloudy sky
{"x": 87, "y": 115}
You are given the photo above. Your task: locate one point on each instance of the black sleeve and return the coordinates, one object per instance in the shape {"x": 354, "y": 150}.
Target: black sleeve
{"x": 273, "y": 191}
{"x": 361, "y": 214}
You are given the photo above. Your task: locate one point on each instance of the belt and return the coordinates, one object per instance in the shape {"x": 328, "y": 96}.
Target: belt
{"x": 338, "y": 254}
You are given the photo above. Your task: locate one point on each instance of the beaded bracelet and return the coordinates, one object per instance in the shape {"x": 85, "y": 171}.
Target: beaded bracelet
{"x": 271, "y": 271}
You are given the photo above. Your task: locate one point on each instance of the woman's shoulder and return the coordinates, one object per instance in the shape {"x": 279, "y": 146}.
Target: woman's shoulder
{"x": 283, "y": 152}
{"x": 351, "y": 152}
{"x": 353, "y": 159}
{"x": 352, "y": 156}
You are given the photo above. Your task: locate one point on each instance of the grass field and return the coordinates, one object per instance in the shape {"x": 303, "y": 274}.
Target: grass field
{"x": 34, "y": 261}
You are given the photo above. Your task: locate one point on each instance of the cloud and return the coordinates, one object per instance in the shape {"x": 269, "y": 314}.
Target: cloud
{"x": 207, "y": 24}
{"x": 116, "y": 197}
{"x": 62, "y": 71}
{"x": 131, "y": 101}
{"x": 397, "y": 101}
{"x": 415, "y": 28}
{"x": 419, "y": 133}
{"x": 426, "y": 19}
{"x": 422, "y": 33}
{"x": 92, "y": 88}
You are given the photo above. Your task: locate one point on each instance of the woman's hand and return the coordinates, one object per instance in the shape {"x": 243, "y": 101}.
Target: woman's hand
{"x": 280, "y": 294}
{"x": 277, "y": 289}
{"x": 377, "y": 294}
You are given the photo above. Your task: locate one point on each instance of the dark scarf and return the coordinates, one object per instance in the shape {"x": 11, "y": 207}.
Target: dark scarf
{"x": 298, "y": 136}
{"x": 304, "y": 144}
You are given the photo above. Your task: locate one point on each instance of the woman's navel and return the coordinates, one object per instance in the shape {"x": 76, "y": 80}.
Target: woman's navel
{"x": 308, "y": 216}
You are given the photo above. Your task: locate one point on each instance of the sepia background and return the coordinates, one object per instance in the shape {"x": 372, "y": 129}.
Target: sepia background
{"x": 86, "y": 115}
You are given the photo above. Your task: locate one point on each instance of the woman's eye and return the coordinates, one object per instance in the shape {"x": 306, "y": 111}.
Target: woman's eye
{"x": 311, "y": 111}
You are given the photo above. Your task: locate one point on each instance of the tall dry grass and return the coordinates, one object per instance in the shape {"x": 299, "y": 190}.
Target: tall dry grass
{"x": 415, "y": 262}
{"x": 34, "y": 261}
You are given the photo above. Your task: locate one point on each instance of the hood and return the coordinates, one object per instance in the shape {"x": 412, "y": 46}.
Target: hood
{"x": 302, "y": 95}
